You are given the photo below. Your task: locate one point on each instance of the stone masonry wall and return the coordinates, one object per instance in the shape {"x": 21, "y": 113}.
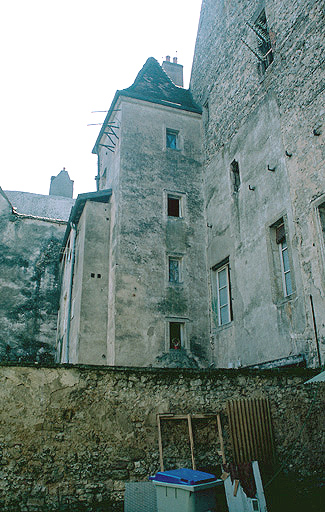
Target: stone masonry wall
{"x": 75, "y": 435}
{"x": 29, "y": 283}
{"x": 228, "y": 82}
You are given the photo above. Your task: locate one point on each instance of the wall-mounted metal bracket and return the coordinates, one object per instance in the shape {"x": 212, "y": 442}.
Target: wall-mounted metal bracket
{"x": 111, "y": 148}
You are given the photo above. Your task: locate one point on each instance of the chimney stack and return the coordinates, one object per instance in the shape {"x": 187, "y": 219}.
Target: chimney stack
{"x": 173, "y": 70}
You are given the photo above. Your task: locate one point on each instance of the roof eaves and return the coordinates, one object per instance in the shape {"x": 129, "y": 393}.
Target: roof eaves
{"x": 107, "y": 118}
{"x": 102, "y": 196}
{"x": 130, "y": 94}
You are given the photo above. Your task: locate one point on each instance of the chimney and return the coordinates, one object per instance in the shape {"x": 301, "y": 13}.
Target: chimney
{"x": 61, "y": 185}
{"x": 173, "y": 70}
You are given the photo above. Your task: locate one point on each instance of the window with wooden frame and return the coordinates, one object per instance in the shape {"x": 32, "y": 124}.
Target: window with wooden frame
{"x": 222, "y": 293}
{"x": 174, "y": 206}
{"x": 176, "y": 335}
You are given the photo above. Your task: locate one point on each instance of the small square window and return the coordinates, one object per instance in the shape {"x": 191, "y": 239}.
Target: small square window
{"x": 174, "y": 270}
{"x": 173, "y": 206}
{"x": 176, "y": 335}
{"x": 171, "y": 139}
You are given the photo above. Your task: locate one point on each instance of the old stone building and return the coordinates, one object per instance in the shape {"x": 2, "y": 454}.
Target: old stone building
{"x": 258, "y": 74}
{"x": 205, "y": 241}
{"x": 32, "y": 228}
{"x": 136, "y": 248}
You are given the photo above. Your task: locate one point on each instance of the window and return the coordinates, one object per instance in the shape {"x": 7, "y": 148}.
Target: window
{"x": 263, "y": 41}
{"x": 171, "y": 139}
{"x": 235, "y": 176}
{"x": 176, "y": 330}
{"x": 174, "y": 270}
{"x": 284, "y": 259}
{"x": 173, "y": 206}
{"x": 321, "y": 213}
{"x": 206, "y": 114}
{"x": 222, "y": 304}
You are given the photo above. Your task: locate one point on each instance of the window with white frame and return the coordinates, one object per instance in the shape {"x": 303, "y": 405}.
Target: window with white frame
{"x": 174, "y": 269}
{"x": 284, "y": 259}
{"x": 222, "y": 296}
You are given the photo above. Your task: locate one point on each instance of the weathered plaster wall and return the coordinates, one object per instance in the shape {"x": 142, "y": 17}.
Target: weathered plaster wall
{"x": 76, "y": 435}
{"x": 109, "y": 172}
{"x": 29, "y": 259}
{"x": 274, "y": 119}
{"x": 147, "y": 236}
{"x": 141, "y": 172}
{"x": 51, "y": 207}
{"x": 82, "y": 325}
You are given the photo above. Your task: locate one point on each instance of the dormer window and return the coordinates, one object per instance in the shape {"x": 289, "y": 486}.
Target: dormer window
{"x": 171, "y": 139}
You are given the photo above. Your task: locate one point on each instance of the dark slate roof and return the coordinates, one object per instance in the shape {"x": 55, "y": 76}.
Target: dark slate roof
{"x": 154, "y": 85}
{"x": 103, "y": 196}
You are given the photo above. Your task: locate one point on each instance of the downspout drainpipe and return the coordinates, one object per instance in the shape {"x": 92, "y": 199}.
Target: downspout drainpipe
{"x": 315, "y": 330}
{"x": 97, "y": 178}
{"x": 67, "y": 346}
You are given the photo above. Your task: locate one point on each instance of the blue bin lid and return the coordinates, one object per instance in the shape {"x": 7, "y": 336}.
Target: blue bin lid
{"x": 183, "y": 476}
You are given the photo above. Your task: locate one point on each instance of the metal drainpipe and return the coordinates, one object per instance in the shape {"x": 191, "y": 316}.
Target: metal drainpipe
{"x": 97, "y": 178}
{"x": 67, "y": 348}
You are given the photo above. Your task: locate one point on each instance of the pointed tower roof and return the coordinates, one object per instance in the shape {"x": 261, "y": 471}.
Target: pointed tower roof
{"x": 154, "y": 85}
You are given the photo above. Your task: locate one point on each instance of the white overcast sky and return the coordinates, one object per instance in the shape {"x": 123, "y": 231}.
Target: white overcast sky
{"x": 60, "y": 61}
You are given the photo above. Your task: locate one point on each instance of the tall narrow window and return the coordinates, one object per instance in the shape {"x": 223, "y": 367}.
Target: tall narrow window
{"x": 223, "y": 295}
{"x": 171, "y": 139}
{"x": 175, "y": 335}
{"x": 284, "y": 259}
{"x": 222, "y": 303}
{"x": 174, "y": 270}
{"x": 321, "y": 213}
{"x": 173, "y": 206}
{"x": 235, "y": 176}
{"x": 263, "y": 41}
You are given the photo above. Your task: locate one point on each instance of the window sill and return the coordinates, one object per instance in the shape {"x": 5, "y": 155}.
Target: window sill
{"x": 284, "y": 300}
{"x": 219, "y": 328}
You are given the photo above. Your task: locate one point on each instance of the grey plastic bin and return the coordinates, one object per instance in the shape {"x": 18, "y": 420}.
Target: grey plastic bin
{"x": 183, "y": 497}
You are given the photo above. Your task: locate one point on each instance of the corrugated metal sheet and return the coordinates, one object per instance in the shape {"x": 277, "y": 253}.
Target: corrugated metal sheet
{"x": 250, "y": 430}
